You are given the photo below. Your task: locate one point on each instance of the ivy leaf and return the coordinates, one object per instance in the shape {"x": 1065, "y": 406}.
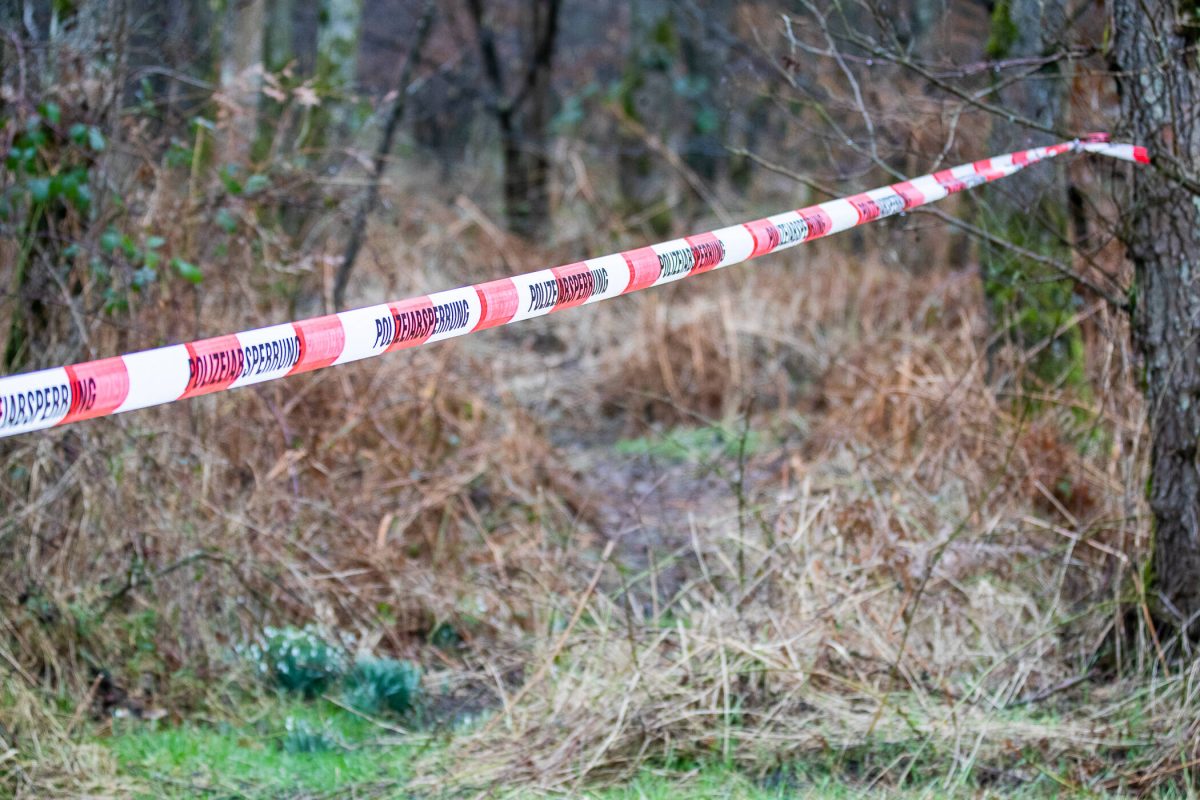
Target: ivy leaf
{"x": 110, "y": 240}
{"x": 95, "y": 139}
{"x": 143, "y": 277}
{"x": 155, "y": 242}
{"x": 228, "y": 176}
{"x": 226, "y": 221}
{"x": 131, "y": 250}
{"x": 188, "y": 271}
{"x": 707, "y": 120}
{"x": 81, "y": 197}
{"x": 39, "y": 189}
{"x": 35, "y": 138}
{"x": 256, "y": 183}
{"x": 51, "y": 112}
{"x": 114, "y": 301}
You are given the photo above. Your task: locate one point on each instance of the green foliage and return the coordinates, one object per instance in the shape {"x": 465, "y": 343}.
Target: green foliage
{"x": 574, "y": 110}
{"x": 318, "y": 750}
{"x": 1032, "y": 302}
{"x": 695, "y": 445}
{"x": 1189, "y": 19}
{"x": 46, "y": 198}
{"x": 230, "y": 175}
{"x": 1003, "y": 33}
{"x": 299, "y": 660}
{"x": 380, "y": 685}
{"x": 188, "y": 271}
{"x": 445, "y": 637}
{"x": 304, "y": 736}
{"x": 50, "y": 170}
{"x": 664, "y": 45}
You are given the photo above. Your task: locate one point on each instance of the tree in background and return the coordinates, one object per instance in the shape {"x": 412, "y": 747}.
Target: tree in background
{"x": 1025, "y": 79}
{"x": 1154, "y": 52}
{"x": 278, "y": 49}
{"x": 358, "y": 226}
{"x": 647, "y": 104}
{"x": 338, "y": 26}
{"x": 1030, "y": 305}
{"x": 674, "y": 126}
{"x": 522, "y": 106}
{"x": 240, "y": 47}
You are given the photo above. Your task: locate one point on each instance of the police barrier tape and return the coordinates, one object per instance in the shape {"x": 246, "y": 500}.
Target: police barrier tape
{"x": 37, "y": 400}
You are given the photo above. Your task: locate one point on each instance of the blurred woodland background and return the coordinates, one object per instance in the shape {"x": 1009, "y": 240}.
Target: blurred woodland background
{"x": 912, "y": 509}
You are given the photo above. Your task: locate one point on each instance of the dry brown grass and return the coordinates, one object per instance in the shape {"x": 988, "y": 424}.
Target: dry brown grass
{"x": 908, "y": 563}
{"x": 929, "y": 570}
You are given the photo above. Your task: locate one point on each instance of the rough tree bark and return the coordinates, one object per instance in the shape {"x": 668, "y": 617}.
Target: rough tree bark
{"x": 1154, "y": 49}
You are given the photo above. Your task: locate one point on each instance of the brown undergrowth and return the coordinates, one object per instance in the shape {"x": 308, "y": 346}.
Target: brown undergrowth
{"x": 910, "y": 567}
{"x": 922, "y": 568}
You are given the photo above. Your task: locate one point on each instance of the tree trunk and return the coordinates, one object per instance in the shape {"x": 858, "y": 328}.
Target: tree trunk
{"x": 648, "y": 98}
{"x": 278, "y": 44}
{"x": 241, "y": 60}
{"x": 1160, "y": 97}
{"x": 526, "y": 143}
{"x": 523, "y": 115}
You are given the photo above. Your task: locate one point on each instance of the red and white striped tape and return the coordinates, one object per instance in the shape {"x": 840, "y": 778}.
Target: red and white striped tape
{"x": 37, "y": 400}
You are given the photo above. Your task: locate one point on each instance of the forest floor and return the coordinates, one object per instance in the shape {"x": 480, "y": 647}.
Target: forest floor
{"x": 269, "y": 751}
{"x": 684, "y": 494}
{"x": 809, "y": 532}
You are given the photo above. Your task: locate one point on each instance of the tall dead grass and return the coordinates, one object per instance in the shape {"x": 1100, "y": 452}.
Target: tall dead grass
{"x": 908, "y": 572}
{"x": 918, "y": 579}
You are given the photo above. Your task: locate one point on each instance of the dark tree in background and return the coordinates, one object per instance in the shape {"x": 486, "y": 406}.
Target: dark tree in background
{"x": 521, "y": 103}
{"x": 1154, "y": 50}
{"x": 1027, "y": 302}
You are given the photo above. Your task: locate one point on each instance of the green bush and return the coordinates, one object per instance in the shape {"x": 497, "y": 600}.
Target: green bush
{"x": 377, "y": 685}
{"x": 298, "y": 659}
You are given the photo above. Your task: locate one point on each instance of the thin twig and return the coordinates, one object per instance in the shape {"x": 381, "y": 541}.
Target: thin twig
{"x": 379, "y": 164}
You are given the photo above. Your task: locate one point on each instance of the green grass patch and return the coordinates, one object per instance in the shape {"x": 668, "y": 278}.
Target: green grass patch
{"x": 285, "y": 747}
{"x": 693, "y": 445}
{"x": 282, "y": 750}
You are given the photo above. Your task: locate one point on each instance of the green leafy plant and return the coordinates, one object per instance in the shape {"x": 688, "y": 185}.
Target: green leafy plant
{"x": 302, "y": 736}
{"x": 50, "y": 167}
{"x": 299, "y": 660}
{"x": 377, "y": 685}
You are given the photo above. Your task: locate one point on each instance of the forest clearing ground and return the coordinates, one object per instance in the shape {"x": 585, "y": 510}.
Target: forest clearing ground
{"x": 842, "y": 560}
{"x": 744, "y": 638}
{"x": 869, "y": 516}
